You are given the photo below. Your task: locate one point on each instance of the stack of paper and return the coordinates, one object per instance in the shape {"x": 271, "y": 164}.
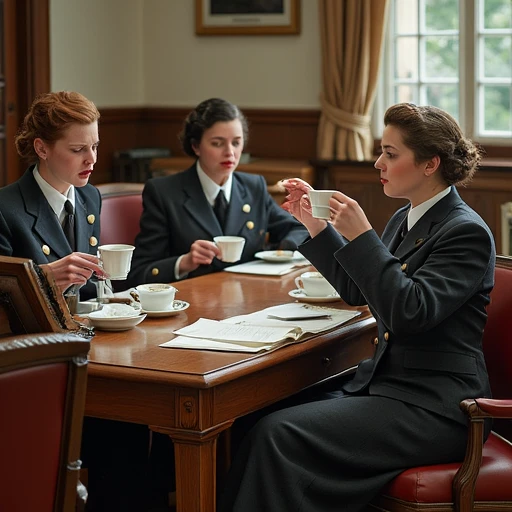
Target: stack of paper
{"x": 265, "y": 268}
{"x": 262, "y": 330}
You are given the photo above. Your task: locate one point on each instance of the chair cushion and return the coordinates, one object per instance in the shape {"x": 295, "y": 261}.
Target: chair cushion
{"x": 120, "y": 216}
{"x": 433, "y": 484}
{"x": 31, "y": 436}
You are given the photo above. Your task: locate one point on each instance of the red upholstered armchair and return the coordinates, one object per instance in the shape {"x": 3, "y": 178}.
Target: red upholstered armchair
{"x": 484, "y": 480}
{"x": 120, "y": 212}
{"x": 42, "y": 400}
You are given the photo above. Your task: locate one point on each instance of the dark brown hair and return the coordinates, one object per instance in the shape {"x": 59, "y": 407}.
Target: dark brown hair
{"x": 48, "y": 118}
{"x": 204, "y": 116}
{"x": 429, "y": 131}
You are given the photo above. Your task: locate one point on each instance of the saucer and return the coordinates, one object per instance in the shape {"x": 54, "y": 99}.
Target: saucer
{"x": 114, "y": 323}
{"x": 277, "y": 256}
{"x": 177, "y": 307}
{"x": 302, "y": 297}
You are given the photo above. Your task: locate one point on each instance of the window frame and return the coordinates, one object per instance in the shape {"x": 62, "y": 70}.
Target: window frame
{"x": 470, "y": 81}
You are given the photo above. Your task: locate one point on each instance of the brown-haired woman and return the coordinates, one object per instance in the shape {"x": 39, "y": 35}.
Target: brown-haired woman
{"x": 427, "y": 283}
{"x": 59, "y": 140}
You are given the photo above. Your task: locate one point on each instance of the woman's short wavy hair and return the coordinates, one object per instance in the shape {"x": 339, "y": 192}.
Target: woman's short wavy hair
{"x": 204, "y": 116}
{"x": 48, "y": 118}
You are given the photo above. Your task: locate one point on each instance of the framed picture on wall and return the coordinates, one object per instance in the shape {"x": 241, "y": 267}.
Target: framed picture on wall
{"x": 247, "y": 17}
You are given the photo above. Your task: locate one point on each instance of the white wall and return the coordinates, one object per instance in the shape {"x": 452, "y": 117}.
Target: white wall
{"x": 96, "y": 48}
{"x": 145, "y": 52}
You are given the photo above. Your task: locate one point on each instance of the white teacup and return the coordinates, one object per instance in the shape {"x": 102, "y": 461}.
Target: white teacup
{"x": 319, "y": 200}
{"x": 231, "y": 247}
{"x": 314, "y": 284}
{"x": 156, "y": 296}
{"x": 116, "y": 259}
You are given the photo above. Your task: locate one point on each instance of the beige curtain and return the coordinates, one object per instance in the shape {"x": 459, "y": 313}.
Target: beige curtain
{"x": 352, "y": 35}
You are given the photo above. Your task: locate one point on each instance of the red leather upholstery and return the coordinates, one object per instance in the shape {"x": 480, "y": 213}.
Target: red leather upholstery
{"x": 431, "y": 487}
{"x": 498, "y": 335}
{"x": 433, "y": 484}
{"x": 119, "y": 218}
{"x": 30, "y": 436}
{"x": 42, "y": 399}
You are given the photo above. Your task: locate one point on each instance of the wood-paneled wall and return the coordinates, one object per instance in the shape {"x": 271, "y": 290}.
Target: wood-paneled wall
{"x": 273, "y": 133}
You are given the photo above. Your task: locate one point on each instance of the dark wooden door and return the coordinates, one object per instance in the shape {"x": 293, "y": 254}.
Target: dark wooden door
{"x": 24, "y": 72}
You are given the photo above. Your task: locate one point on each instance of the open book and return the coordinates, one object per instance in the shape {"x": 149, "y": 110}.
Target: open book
{"x": 262, "y": 330}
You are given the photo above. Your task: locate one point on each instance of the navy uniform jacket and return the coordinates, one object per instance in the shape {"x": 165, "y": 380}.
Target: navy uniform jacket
{"x": 29, "y": 227}
{"x": 177, "y": 213}
{"x": 428, "y": 294}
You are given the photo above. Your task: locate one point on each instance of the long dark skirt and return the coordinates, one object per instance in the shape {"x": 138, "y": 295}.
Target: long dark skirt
{"x": 335, "y": 454}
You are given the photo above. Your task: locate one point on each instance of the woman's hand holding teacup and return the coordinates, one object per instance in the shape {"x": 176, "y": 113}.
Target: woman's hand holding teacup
{"x": 347, "y": 217}
{"x": 202, "y": 252}
{"x": 298, "y": 204}
{"x": 75, "y": 268}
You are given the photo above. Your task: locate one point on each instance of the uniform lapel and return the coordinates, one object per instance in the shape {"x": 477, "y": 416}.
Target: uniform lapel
{"x": 427, "y": 225}
{"x": 197, "y": 206}
{"x": 392, "y": 236}
{"x": 46, "y": 225}
{"x": 83, "y": 229}
{"x": 236, "y": 219}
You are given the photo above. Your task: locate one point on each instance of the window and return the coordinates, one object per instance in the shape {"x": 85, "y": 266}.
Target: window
{"x": 456, "y": 55}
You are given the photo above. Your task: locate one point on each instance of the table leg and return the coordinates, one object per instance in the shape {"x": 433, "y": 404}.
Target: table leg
{"x": 196, "y": 467}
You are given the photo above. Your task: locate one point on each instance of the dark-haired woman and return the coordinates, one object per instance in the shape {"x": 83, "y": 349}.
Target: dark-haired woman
{"x": 427, "y": 282}
{"x": 178, "y": 223}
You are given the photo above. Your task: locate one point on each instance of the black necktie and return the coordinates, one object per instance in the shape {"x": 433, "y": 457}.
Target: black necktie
{"x": 69, "y": 224}
{"x": 221, "y": 208}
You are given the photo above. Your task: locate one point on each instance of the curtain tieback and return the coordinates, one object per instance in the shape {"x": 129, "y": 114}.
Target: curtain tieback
{"x": 354, "y": 122}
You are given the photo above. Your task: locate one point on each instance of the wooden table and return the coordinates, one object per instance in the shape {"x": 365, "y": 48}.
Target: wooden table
{"x": 194, "y": 395}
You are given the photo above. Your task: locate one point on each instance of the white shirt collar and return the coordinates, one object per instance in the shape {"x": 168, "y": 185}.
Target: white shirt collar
{"x": 55, "y": 199}
{"x": 417, "y": 212}
{"x": 210, "y": 188}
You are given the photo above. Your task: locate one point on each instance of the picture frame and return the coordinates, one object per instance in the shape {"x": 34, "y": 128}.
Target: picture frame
{"x": 30, "y": 301}
{"x": 247, "y": 17}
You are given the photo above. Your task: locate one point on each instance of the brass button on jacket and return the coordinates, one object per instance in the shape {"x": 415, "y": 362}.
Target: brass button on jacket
{"x": 404, "y": 266}
{"x": 386, "y": 336}
{"x": 155, "y": 271}
{"x": 376, "y": 341}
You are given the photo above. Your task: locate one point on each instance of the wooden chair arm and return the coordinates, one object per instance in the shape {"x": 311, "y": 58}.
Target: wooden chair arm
{"x": 464, "y": 481}
{"x": 480, "y": 408}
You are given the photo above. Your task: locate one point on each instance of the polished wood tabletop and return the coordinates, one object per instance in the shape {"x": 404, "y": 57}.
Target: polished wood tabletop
{"x": 194, "y": 395}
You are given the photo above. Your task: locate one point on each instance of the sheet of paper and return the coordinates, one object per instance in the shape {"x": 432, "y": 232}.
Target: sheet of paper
{"x": 297, "y": 311}
{"x": 264, "y": 268}
{"x": 246, "y": 332}
{"x": 204, "y": 344}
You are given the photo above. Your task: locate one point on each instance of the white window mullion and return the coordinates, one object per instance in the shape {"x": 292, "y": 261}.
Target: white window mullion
{"x": 468, "y": 34}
